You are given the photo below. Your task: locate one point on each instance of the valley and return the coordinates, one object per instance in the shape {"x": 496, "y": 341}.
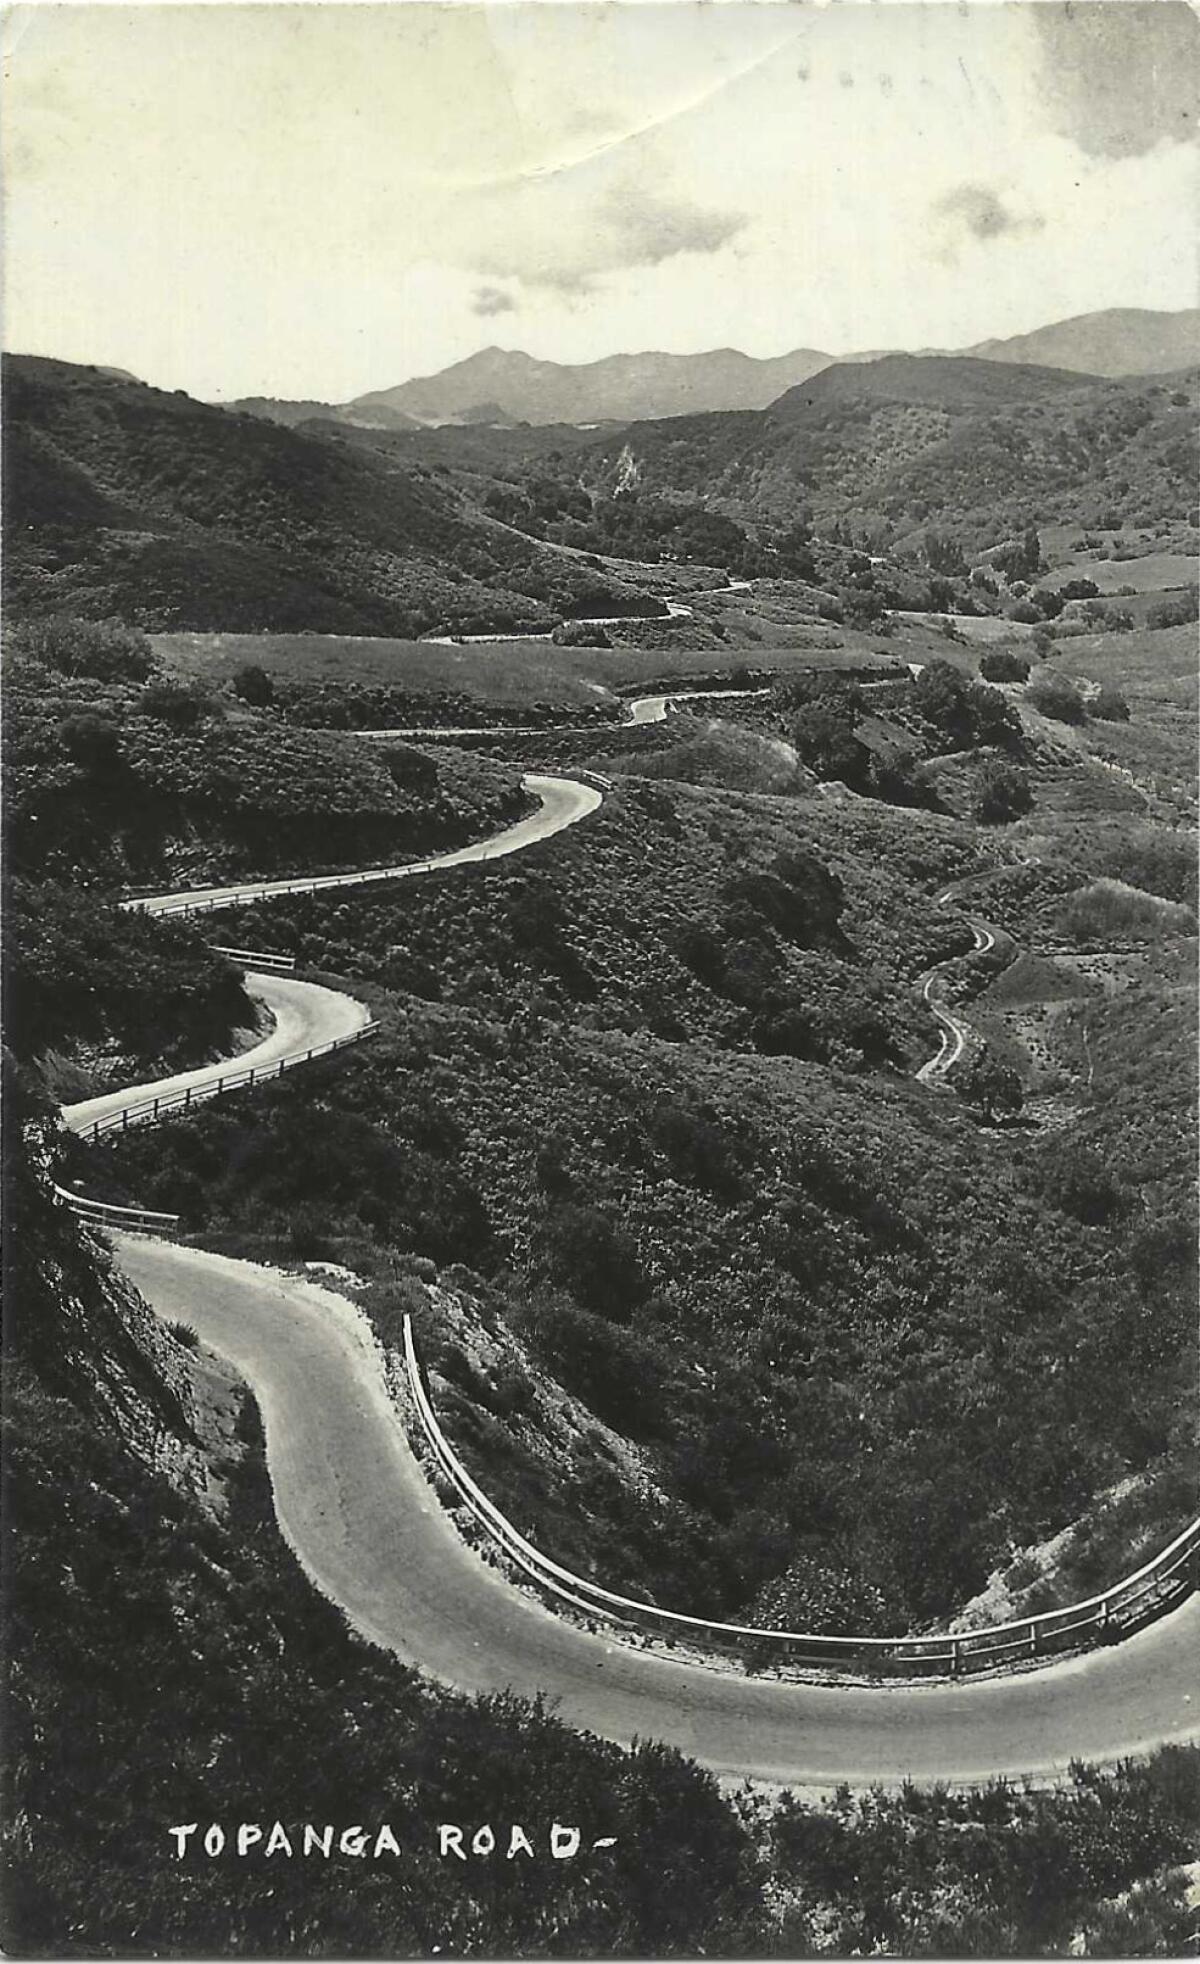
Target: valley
{"x": 776, "y": 1127}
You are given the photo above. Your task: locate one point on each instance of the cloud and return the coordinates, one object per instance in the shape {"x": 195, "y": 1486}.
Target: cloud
{"x": 488, "y": 300}
{"x": 646, "y": 228}
{"x": 555, "y": 243}
{"x": 1119, "y": 79}
{"x": 980, "y": 212}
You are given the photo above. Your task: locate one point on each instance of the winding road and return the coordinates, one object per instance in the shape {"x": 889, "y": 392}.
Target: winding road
{"x": 642, "y": 710}
{"x": 364, "y": 1521}
{"x": 954, "y": 1031}
{"x": 358, "y": 1511}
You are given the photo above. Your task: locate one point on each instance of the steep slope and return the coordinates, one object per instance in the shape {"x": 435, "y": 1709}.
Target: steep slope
{"x": 1119, "y": 341}
{"x": 936, "y": 381}
{"x": 121, "y": 499}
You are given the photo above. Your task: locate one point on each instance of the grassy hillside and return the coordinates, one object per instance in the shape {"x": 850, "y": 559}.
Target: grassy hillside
{"x": 121, "y": 499}
{"x": 140, "y": 785}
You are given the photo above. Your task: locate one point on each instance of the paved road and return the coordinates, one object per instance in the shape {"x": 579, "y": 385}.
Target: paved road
{"x": 562, "y": 801}
{"x": 954, "y": 1032}
{"x": 353, "y": 1503}
{"x": 303, "y": 1016}
{"x": 642, "y": 709}
{"x": 355, "y": 1506}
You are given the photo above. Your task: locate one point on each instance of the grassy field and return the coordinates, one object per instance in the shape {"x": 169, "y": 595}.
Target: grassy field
{"x": 1159, "y": 664}
{"x": 501, "y": 672}
{"x": 1149, "y": 572}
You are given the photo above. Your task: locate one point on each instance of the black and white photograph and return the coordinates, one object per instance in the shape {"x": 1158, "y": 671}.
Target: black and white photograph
{"x": 600, "y": 980}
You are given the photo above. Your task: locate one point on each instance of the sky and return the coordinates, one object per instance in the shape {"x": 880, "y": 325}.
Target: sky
{"x": 320, "y": 200}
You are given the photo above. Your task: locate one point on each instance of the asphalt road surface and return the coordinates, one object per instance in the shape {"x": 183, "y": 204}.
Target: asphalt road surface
{"x": 355, "y": 1506}
{"x": 562, "y": 801}
{"x": 303, "y": 1016}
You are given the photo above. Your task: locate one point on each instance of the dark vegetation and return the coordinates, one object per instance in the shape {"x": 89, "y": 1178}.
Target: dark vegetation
{"x": 136, "y": 1612}
{"x": 888, "y": 449}
{"x": 120, "y": 499}
{"x": 117, "y": 783}
{"x": 867, "y": 1266}
{"x": 240, "y": 1664}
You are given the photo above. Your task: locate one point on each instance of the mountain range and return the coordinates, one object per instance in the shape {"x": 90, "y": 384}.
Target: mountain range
{"x": 500, "y": 386}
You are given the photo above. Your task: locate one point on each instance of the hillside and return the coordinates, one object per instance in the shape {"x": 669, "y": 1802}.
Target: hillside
{"x": 935, "y": 381}
{"x": 122, "y": 499}
{"x": 1119, "y": 341}
{"x": 892, "y": 447}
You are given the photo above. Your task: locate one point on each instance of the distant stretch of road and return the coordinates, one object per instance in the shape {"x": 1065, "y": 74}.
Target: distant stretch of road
{"x": 562, "y": 801}
{"x": 642, "y": 710}
{"x": 366, "y": 1525}
{"x": 954, "y": 1032}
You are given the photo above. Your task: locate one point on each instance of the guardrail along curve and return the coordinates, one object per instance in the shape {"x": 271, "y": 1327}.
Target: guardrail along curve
{"x": 1150, "y": 1591}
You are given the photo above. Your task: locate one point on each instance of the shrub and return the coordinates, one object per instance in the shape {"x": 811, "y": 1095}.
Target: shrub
{"x": 1003, "y": 665}
{"x": 1110, "y": 706}
{"x": 580, "y": 634}
{"x": 252, "y": 684}
{"x": 91, "y": 741}
{"x": 1025, "y": 612}
{"x": 1055, "y": 696}
{"x": 106, "y": 650}
{"x": 180, "y": 708}
{"x": 1175, "y": 611}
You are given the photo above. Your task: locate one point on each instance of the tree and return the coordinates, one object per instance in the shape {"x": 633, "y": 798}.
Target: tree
{"x": 990, "y": 1086}
{"x": 1003, "y": 665}
{"x": 1001, "y": 792}
{"x": 252, "y": 684}
{"x": 944, "y": 555}
{"x": 1055, "y": 696}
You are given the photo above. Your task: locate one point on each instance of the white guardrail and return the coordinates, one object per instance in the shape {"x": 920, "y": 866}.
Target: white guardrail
{"x": 106, "y": 1213}
{"x": 144, "y": 1111}
{"x": 1099, "y": 1620}
{"x": 255, "y": 959}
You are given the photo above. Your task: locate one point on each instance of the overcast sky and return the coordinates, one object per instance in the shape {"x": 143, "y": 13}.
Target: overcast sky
{"x": 321, "y": 200}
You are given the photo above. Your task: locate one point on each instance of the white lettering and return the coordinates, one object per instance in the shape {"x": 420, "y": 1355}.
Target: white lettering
{"x": 518, "y": 1844}
{"x": 353, "y": 1841}
{"x": 323, "y": 1840}
{"x": 564, "y": 1842}
{"x": 214, "y": 1839}
{"x": 483, "y": 1841}
{"x": 450, "y": 1841}
{"x": 181, "y": 1836}
{"x": 277, "y": 1841}
{"x": 386, "y": 1842}
{"x": 248, "y": 1833}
